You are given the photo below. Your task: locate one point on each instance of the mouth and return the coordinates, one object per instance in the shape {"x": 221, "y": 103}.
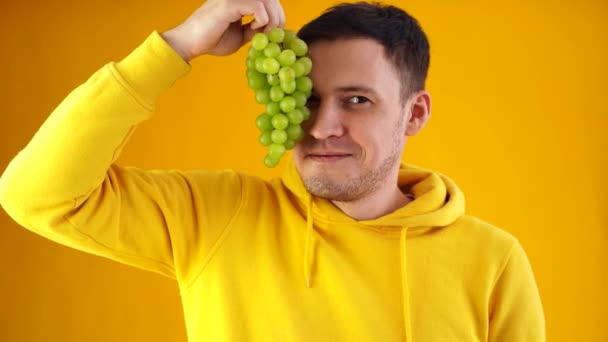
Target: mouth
{"x": 327, "y": 157}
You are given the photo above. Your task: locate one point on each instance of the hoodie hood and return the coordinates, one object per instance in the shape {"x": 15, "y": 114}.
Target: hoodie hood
{"x": 437, "y": 203}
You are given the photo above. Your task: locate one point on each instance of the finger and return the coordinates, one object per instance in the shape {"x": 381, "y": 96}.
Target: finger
{"x": 260, "y": 15}
{"x": 273, "y": 14}
{"x": 248, "y": 32}
{"x": 282, "y": 19}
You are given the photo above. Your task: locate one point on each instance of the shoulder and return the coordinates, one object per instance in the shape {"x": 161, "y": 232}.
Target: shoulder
{"x": 230, "y": 180}
{"x": 483, "y": 240}
{"x": 478, "y": 229}
{"x": 226, "y": 179}
{"x": 253, "y": 192}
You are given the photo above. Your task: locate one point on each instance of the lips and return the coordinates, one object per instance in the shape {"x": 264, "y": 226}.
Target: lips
{"x": 327, "y": 156}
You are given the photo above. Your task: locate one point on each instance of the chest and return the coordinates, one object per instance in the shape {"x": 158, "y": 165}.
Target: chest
{"x": 255, "y": 289}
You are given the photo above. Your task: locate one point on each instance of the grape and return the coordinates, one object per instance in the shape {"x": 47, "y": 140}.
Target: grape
{"x": 289, "y": 144}
{"x": 259, "y": 64}
{"x": 289, "y": 86}
{"x": 253, "y": 53}
{"x": 300, "y": 97}
{"x": 299, "y": 47}
{"x": 251, "y": 72}
{"x": 270, "y": 65}
{"x": 266, "y": 138}
{"x": 289, "y": 36}
{"x": 277, "y": 68}
{"x": 295, "y": 132}
{"x": 276, "y": 93}
{"x": 278, "y": 136}
{"x": 262, "y": 95}
{"x": 250, "y": 63}
{"x": 273, "y": 108}
{"x": 295, "y": 116}
{"x": 276, "y": 151}
{"x": 297, "y": 67}
{"x": 287, "y": 104}
{"x": 286, "y": 57}
{"x": 270, "y": 162}
{"x": 256, "y": 80}
{"x": 272, "y": 50}
{"x": 305, "y": 112}
{"x": 276, "y": 35}
{"x": 279, "y": 121}
{"x": 287, "y": 74}
{"x": 307, "y": 63}
{"x": 259, "y": 41}
{"x": 303, "y": 83}
{"x": 272, "y": 79}
{"x": 263, "y": 122}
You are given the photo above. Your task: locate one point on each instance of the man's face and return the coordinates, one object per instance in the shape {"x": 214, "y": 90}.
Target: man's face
{"x": 356, "y": 133}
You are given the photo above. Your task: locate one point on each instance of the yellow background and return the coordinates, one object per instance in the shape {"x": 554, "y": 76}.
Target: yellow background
{"x": 519, "y": 121}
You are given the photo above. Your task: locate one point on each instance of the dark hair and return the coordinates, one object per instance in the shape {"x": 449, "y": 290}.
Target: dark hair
{"x": 405, "y": 44}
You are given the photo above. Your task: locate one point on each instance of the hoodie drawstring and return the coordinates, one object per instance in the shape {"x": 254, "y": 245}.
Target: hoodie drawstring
{"x": 308, "y": 254}
{"x": 309, "y": 262}
{"x": 404, "y": 284}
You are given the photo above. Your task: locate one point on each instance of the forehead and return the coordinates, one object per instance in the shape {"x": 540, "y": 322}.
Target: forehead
{"x": 356, "y": 61}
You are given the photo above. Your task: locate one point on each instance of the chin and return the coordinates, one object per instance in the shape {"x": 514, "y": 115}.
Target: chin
{"x": 328, "y": 172}
{"x": 330, "y": 188}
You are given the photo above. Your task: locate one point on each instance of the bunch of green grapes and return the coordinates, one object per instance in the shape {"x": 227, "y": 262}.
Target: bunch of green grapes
{"x": 277, "y": 69}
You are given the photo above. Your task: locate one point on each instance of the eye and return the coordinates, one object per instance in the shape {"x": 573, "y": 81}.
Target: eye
{"x": 312, "y": 102}
{"x": 357, "y": 99}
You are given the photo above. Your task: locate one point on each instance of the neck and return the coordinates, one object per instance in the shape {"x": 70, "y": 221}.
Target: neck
{"x": 375, "y": 205}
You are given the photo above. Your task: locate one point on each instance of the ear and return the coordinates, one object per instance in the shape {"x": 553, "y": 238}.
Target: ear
{"x": 418, "y": 110}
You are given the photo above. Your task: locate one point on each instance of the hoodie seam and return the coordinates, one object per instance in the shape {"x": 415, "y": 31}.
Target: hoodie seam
{"x": 220, "y": 240}
{"x": 130, "y": 90}
{"x": 132, "y": 257}
{"x": 502, "y": 267}
{"x": 396, "y": 232}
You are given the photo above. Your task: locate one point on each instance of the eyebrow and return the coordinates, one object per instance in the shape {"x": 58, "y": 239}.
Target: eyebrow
{"x": 352, "y": 89}
{"x": 356, "y": 88}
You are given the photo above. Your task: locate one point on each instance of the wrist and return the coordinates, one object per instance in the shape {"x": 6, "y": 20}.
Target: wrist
{"x": 172, "y": 38}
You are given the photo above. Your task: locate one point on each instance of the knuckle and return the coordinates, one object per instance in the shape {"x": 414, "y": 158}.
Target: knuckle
{"x": 259, "y": 6}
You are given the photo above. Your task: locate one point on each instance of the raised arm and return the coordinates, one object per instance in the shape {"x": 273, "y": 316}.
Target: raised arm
{"x": 65, "y": 186}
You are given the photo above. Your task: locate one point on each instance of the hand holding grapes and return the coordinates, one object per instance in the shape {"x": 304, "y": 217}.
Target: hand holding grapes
{"x": 215, "y": 28}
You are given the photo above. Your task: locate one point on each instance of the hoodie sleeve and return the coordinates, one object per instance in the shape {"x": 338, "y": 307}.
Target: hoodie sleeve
{"x": 516, "y": 312}
{"x": 65, "y": 186}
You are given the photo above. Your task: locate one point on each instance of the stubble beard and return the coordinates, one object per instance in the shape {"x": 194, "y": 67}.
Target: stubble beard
{"x": 367, "y": 182}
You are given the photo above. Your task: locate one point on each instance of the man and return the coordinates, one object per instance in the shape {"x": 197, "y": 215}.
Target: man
{"x": 348, "y": 245}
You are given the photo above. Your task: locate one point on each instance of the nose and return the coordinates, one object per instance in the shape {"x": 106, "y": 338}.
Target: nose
{"x": 326, "y": 122}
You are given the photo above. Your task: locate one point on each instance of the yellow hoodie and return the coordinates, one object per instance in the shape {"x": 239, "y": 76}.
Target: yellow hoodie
{"x": 263, "y": 260}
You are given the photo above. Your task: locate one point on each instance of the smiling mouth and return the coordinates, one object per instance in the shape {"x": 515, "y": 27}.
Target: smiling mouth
{"x": 330, "y": 157}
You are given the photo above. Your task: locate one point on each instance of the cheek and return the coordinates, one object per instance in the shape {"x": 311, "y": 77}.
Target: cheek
{"x": 306, "y": 125}
{"x": 297, "y": 151}
{"x": 363, "y": 137}
{"x": 374, "y": 139}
